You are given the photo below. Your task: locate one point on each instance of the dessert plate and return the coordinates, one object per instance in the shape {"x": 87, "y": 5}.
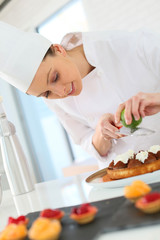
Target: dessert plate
{"x": 96, "y": 180}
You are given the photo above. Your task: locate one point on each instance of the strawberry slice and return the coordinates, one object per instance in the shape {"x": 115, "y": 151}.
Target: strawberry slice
{"x": 82, "y": 209}
{"x": 151, "y": 197}
{"x": 53, "y": 214}
{"x": 19, "y": 220}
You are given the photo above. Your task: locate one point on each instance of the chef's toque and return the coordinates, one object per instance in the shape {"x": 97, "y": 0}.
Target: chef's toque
{"x": 20, "y": 55}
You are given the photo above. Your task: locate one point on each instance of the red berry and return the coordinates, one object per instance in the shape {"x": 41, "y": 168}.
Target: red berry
{"x": 49, "y": 213}
{"x": 74, "y": 211}
{"x": 85, "y": 205}
{"x": 20, "y": 219}
{"x": 84, "y": 208}
{"x": 11, "y": 220}
{"x": 151, "y": 197}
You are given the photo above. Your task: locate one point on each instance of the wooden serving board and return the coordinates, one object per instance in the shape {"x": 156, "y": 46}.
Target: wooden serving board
{"x": 113, "y": 214}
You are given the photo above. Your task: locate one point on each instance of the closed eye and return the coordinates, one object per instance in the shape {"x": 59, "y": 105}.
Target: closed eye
{"x": 56, "y": 78}
{"x": 47, "y": 94}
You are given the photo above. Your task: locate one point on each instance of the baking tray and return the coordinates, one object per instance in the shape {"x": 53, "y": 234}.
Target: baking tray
{"x": 113, "y": 214}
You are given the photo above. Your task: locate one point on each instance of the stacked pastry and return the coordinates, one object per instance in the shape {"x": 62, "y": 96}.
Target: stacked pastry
{"x": 130, "y": 164}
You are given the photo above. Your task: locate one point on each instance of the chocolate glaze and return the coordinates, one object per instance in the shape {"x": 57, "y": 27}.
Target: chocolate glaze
{"x": 111, "y": 165}
{"x": 118, "y": 165}
{"x": 134, "y": 163}
{"x": 157, "y": 155}
{"x": 151, "y": 158}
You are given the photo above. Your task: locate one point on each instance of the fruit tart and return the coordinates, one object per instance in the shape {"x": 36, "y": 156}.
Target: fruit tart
{"x": 150, "y": 203}
{"x": 52, "y": 214}
{"x": 84, "y": 213}
{"x": 136, "y": 190}
{"x": 45, "y": 229}
{"x": 14, "y": 232}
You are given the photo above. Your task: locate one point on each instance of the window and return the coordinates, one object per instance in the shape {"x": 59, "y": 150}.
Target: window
{"x": 70, "y": 18}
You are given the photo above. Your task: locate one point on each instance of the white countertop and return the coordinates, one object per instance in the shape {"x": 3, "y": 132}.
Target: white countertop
{"x": 65, "y": 192}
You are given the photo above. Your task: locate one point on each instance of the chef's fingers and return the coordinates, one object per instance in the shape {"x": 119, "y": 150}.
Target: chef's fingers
{"x": 142, "y": 108}
{"x": 111, "y": 129}
{"x": 148, "y": 104}
{"x": 136, "y": 107}
{"x": 110, "y": 135}
{"x": 118, "y": 113}
{"x": 111, "y": 125}
{"x": 128, "y": 111}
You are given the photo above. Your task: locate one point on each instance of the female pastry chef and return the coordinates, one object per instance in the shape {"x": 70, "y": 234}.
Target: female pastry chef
{"x": 84, "y": 80}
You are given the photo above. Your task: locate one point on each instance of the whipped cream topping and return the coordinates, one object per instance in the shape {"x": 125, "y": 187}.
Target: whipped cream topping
{"x": 124, "y": 157}
{"x": 142, "y": 156}
{"x": 154, "y": 149}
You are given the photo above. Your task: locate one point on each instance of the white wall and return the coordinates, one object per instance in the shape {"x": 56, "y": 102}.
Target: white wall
{"x": 27, "y": 14}
{"x": 101, "y": 14}
{"x": 122, "y": 14}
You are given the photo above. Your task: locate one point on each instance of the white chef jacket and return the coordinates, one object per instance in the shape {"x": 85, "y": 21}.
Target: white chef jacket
{"x": 125, "y": 64}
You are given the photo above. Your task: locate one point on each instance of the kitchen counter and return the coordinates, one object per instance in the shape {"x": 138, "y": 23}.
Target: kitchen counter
{"x": 65, "y": 192}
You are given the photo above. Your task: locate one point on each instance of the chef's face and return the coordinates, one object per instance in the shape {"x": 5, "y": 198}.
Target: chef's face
{"x": 57, "y": 76}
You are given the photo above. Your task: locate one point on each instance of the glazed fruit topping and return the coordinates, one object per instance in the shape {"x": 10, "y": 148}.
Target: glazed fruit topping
{"x": 84, "y": 208}
{"x": 19, "y": 220}
{"x": 50, "y": 213}
{"x": 136, "y": 189}
{"x": 151, "y": 197}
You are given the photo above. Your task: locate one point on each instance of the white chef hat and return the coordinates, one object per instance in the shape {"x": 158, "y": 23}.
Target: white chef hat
{"x": 20, "y": 55}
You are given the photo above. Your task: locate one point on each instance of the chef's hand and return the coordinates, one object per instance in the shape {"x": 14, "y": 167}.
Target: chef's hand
{"x": 106, "y": 130}
{"x": 140, "y": 105}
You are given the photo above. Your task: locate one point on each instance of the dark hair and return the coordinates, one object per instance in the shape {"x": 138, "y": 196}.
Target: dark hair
{"x": 50, "y": 52}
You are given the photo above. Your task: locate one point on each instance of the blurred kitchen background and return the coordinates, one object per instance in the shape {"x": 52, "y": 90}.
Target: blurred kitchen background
{"x": 46, "y": 144}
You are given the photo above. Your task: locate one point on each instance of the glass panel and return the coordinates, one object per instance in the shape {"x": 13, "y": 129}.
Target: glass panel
{"x": 46, "y": 136}
{"x": 70, "y": 18}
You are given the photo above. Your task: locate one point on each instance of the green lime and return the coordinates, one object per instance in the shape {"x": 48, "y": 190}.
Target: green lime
{"x": 134, "y": 123}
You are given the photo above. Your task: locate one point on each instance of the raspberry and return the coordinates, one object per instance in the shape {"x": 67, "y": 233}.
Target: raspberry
{"x": 86, "y": 205}
{"x": 49, "y": 213}
{"x": 84, "y": 208}
{"x": 20, "y": 219}
{"x": 151, "y": 197}
{"x": 74, "y": 210}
